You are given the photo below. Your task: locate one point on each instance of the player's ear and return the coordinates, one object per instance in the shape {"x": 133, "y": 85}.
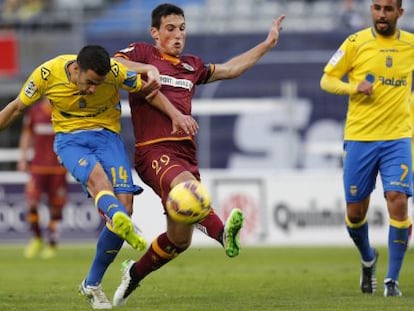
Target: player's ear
{"x": 154, "y": 33}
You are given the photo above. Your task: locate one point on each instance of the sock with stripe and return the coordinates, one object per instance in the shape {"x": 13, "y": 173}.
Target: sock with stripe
{"x": 160, "y": 253}
{"x": 359, "y": 234}
{"x": 398, "y": 239}
{"x": 108, "y": 204}
{"x": 107, "y": 248}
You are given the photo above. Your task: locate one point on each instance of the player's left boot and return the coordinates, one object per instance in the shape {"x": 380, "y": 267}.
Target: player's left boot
{"x": 122, "y": 226}
{"x": 391, "y": 288}
{"x": 127, "y": 286}
{"x": 368, "y": 281}
{"x": 33, "y": 248}
{"x": 232, "y": 228}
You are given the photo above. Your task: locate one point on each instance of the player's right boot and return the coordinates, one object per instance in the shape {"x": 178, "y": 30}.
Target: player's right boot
{"x": 122, "y": 226}
{"x": 33, "y": 248}
{"x": 391, "y": 288}
{"x": 128, "y": 284}
{"x": 368, "y": 279}
{"x": 232, "y": 228}
{"x": 95, "y": 295}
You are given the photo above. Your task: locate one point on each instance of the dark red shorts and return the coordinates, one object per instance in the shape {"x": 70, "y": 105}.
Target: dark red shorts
{"x": 158, "y": 164}
{"x": 53, "y": 185}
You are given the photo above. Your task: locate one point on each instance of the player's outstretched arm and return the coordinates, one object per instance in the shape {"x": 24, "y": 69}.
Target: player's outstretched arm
{"x": 180, "y": 121}
{"x": 11, "y": 112}
{"x": 239, "y": 64}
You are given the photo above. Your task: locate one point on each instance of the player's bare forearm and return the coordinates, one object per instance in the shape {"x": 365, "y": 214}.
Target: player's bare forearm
{"x": 180, "y": 122}
{"x": 239, "y": 64}
{"x": 153, "y": 82}
{"x": 10, "y": 113}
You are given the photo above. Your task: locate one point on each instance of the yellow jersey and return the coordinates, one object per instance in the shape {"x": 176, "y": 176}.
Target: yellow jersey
{"x": 388, "y": 63}
{"x": 72, "y": 111}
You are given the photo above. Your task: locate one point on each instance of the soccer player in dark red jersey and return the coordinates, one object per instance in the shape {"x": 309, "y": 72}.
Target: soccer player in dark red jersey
{"x": 163, "y": 160}
{"x": 46, "y": 176}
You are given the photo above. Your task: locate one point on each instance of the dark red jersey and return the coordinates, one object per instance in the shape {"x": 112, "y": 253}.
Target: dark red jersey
{"x": 44, "y": 159}
{"x": 179, "y": 76}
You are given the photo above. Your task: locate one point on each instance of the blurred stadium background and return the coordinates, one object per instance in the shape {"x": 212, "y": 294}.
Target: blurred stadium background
{"x": 270, "y": 141}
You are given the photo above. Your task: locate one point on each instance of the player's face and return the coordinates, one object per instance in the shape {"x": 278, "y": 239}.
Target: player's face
{"x": 88, "y": 81}
{"x": 170, "y": 38}
{"x": 385, "y": 14}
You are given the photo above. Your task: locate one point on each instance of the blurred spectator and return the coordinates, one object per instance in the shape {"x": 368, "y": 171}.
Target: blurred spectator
{"x": 30, "y": 9}
{"x": 9, "y": 10}
{"x": 47, "y": 177}
{"x": 18, "y": 12}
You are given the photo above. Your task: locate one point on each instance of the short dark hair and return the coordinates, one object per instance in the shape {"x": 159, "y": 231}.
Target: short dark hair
{"x": 94, "y": 57}
{"x": 399, "y": 3}
{"x": 162, "y": 10}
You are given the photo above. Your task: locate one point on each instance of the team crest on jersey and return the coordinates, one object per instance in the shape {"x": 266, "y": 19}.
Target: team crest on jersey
{"x": 44, "y": 72}
{"x": 354, "y": 190}
{"x": 82, "y": 103}
{"x": 388, "y": 61}
{"x": 188, "y": 67}
{"x": 83, "y": 162}
{"x": 30, "y": 89}
{"x": 115, "y": 69}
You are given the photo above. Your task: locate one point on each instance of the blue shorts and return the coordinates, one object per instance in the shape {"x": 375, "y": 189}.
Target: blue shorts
{"x": 80, "y": 151}
{"x": 364, "y": 160}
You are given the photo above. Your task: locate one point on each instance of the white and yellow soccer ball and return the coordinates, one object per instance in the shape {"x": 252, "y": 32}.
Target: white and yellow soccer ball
{"x": 188, "y": 202}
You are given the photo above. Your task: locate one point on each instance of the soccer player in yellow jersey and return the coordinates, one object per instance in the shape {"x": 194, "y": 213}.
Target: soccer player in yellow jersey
{"x": 378, "y": 62}
{"x": 83, "y": 90}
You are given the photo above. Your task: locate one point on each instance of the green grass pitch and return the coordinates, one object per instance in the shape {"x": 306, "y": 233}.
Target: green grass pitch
{"x": 311, "y": 278}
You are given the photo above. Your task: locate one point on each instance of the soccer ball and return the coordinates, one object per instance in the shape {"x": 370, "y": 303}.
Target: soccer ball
{"x": 188, "y": 202}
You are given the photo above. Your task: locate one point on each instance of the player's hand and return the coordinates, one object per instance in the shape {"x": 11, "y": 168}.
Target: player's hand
{"x": 365, "y": 87}
{"x": 184, "y": 123}
{"x": 153, "y": 83}
{"x": 275, "y": 30}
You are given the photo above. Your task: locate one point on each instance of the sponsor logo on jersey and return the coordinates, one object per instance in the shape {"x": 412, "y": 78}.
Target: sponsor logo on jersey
{"x": 115, "y": 69}
{"x": 30, "y": 89}
{"x": 336, "y": 57}
{"x": 392, "y": 81}
{"x": 181, "y": 83}
{"x": 45, "y": 73}
{"x": 353, "y": 37}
